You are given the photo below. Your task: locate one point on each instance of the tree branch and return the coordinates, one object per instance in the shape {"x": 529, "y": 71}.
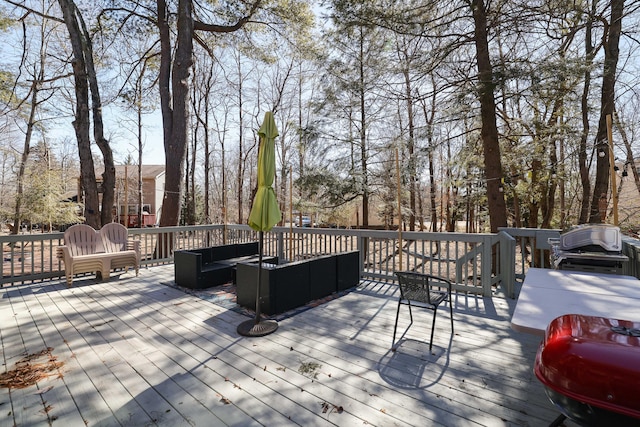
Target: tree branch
{"x": 215, "y": 28}
{"x": 22, "y": 6}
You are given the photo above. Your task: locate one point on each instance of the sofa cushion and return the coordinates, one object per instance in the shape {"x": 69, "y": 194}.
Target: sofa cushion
{"x": 245, "y": 249}
{"x": 223, "y": 252}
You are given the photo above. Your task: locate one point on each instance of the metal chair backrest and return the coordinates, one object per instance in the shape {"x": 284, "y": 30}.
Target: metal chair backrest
{"x": 424, "y": 288}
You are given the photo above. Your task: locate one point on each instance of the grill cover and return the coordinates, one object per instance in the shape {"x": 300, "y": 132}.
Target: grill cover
{"x": 592, "y": 248}
{"x": 605, "y": 236}
{"x": 594, "y": 362}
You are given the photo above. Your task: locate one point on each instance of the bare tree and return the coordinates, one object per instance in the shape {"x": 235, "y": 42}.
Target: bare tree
{"x": 607, "y": 103}
{"x": 175, "y": 67}
{"x": 86, "y": 82}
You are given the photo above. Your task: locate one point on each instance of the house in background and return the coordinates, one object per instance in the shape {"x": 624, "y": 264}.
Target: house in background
{"x": 128, "y": 210}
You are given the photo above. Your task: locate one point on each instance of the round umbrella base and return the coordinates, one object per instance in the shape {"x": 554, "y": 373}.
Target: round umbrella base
{"x": 250, "y": 328}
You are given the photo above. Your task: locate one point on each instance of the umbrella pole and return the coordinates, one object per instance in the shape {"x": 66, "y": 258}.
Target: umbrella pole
{"x": 261, "y": 240}
{"x": 256, "y": 327}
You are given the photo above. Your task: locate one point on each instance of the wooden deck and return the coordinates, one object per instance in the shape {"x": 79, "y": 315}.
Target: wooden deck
{"x": 136, "y": 352}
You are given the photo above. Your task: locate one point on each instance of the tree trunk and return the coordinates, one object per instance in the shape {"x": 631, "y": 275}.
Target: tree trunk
{"x": 363, "y": 139}
{"x": 175, "y": 104}
{"x": 411, "y": 149}
{"x": 549, "y": 204}
{"x": 630, "y": 157}
{"x": 489, "y": 133}
{"x": 207, "y": 149}
{"x": 534, "y": 203}
{"x": 240, "y": 144}
{"x": 582, "y": 150}
{"x": 192, "y": 170}
{"x": 109, "y": 174}
{"x": 81, "y": 120}
{"x": 174, "y": 76}
{"x": 35, "y": 87}
{"x": 611, "y": 53}
{"x": 140, "y": 144}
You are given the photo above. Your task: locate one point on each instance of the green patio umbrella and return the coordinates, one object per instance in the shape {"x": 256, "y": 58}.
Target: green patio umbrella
{"x": 264, "y": 215}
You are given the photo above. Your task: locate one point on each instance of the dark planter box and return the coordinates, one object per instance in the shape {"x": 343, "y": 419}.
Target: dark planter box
{"x": 322, "y": 276}
{"x": 348, "y": 270}
{"x": 283, "y": 287}
{"x": 292, "y": 285}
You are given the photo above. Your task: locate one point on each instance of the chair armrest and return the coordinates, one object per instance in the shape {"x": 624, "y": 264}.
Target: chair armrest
{"x": 187, "y": 268}
{"x": 188, "y": 261}
{"x": 63, "y": 253}
{"x": 134, "y": 245}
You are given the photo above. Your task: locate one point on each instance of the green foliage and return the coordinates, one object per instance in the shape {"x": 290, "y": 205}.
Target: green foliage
{"x": 192, "y": 210}
{"x": 7, "y": 80}
{"x": 321, "y": 184}
{"x": 43, "y": 199}
{"x": 5, "y": 21}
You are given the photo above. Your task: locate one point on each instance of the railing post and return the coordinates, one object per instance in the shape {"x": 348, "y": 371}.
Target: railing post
{"x": 280, "y": 248}
{"x": 363, "y": 243}
{"x": 542, "y": 244}
{"x": 507, "y": 263}
{"x": 486, "y": 265}
{"x": 631, "y": 248}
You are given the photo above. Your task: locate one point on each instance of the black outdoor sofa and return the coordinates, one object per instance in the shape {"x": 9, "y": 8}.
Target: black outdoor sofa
{"x": 294, "y": 284}
{"x": 212, "y": 266}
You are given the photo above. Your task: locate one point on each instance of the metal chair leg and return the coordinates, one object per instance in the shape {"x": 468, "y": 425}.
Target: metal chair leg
{"x": 451, "y": 314}
{"x": 396, "y": 326}
{"x": 433, "y": 328}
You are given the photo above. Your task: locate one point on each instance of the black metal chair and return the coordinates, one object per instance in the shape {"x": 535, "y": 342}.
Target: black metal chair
{"x": 424, "y": 291}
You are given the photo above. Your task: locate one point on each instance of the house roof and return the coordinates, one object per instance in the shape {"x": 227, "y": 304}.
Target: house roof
{"x": 148, "y": 171}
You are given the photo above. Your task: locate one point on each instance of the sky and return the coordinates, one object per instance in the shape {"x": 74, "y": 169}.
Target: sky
{"x": 120, "y": 130}
{"x": 122, "y": 134}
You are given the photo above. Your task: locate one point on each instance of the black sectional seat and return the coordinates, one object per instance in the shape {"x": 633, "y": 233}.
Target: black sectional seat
{"x": 291, "y": 285}
{"x": 213, "y": 266}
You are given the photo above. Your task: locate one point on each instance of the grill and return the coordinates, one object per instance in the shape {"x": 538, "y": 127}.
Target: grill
{"x": 590, "y": 367}
{"x": 591, "y": 248}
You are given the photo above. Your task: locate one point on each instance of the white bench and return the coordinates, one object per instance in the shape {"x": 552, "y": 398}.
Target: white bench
{"x": 86, "y": 250}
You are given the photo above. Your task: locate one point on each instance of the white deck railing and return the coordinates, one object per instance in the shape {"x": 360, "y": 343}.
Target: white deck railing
{"x": 477, "y": 263}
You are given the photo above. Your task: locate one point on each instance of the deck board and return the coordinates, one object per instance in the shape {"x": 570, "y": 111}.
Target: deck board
{"x": 138, "y": 352}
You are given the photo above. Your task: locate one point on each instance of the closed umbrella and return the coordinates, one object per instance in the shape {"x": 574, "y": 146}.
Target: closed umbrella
{"x": 264, "y": 215}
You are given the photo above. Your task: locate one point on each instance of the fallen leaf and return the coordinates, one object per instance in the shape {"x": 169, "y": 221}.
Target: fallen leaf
{"x": 44, "y": 390}
{"x": 27, "y": 373}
